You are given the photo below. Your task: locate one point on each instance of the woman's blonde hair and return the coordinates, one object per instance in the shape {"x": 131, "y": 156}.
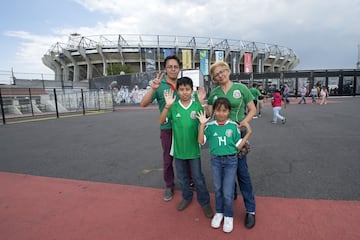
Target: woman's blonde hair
{"x": 218, "y": 64}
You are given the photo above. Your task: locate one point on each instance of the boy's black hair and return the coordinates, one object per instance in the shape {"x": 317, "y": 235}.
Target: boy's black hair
{"x": 171, "y": 57}
{"x": 221, "y": 101}
{"x": 184, "y": 81}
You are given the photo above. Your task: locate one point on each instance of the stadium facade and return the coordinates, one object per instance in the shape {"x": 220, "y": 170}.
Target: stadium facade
{"x": 84, "y": 58}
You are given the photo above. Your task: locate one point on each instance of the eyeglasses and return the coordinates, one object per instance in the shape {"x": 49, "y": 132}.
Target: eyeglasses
{"x": 220, "y": 73}
{"x": 173, "y": 67}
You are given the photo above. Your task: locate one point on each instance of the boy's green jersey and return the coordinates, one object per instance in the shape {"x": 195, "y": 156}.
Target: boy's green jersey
{"x": 185, "y": 127}
{"x": 223, "y": 139}
{"x": 238, "y": 95}
{"x": 159, "y": 96}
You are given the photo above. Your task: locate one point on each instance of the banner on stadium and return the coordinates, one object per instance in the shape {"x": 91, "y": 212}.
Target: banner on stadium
{"x": 219, "y": 56}
{"x": 186, "y": 58}
{"x": 261, "y": 57}
{"x": 168, "y": 52}
{"x": 248, "y": 63}
{"x": 204, "y": 62}
{"x": 235, "y": 62}
{"x": 150, "y": 60}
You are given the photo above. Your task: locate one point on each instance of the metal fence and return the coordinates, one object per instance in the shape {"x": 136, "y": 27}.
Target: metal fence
{"x": 36, "y": 102}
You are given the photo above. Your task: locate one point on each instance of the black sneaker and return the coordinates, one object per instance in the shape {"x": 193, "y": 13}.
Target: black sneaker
{"x": 249, "y": 220}
{"x": 208, "y": 211}
{"x": 183, "y": 204}
{"x": 283, "y": 121}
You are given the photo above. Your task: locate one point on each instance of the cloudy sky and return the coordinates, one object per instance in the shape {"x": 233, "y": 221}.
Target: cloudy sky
{"x": 323, "y": 34}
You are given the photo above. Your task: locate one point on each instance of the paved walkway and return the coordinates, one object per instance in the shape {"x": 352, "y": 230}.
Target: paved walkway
{"x": 100, "y": 177}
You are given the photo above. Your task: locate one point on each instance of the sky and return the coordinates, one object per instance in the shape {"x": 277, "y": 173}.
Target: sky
{"x": 323, "y": 34}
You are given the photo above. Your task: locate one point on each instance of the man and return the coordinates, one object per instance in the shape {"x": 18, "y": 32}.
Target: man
{"x": 256, "y": 93}
{"x": 158, "y": 86}
{"x": 261, "y": 100}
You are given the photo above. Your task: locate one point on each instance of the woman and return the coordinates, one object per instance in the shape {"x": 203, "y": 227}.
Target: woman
{"x": 240, "y": 98}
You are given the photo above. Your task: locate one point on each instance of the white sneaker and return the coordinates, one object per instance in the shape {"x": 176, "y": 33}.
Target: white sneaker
{"x": 228, "y": 224}
{"x": 216, "y": 220}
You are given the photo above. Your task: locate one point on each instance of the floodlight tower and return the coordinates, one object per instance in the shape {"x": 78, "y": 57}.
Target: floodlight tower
{"x": 358, "y": 62}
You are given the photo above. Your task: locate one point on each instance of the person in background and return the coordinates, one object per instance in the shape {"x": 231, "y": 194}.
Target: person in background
{"x": 313, "y": 94}
{"x": 256, "y": 93}
{"x": 324, "y": 94}
{"x": 186, "y": 150}
{"x": 262, "y": 98}
{"x": 276, "y": 102}
{"x": 286, "y": 93}
{"x": 303, "y": 94}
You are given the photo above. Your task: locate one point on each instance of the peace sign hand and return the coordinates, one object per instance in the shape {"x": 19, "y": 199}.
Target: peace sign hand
{"x": 155, "y": 83}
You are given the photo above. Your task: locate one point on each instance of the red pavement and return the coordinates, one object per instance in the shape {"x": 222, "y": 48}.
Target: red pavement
{"x": 34, "y": 207}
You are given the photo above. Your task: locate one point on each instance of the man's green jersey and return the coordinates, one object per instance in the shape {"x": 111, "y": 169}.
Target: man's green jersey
{"x": 185, "y": 127}
{"x": 238, "y": 95}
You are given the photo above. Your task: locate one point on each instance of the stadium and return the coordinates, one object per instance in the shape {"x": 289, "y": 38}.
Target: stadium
{"x": 84, "y": 58}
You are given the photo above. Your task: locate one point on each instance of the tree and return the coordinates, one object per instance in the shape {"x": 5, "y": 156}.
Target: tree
{"x": 117, "y": 68}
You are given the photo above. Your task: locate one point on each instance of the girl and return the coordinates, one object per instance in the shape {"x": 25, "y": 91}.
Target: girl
{"x": 225, "y": 141}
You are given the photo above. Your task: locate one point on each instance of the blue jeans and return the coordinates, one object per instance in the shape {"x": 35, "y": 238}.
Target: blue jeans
{"x": 245, "y": 185}
{"x": 244, "y": 181}
{"x": 202, "y": 192}
{"x": 224, "y": 172}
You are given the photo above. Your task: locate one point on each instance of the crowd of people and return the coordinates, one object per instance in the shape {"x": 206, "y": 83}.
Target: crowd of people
{"x": 188, "y": 120}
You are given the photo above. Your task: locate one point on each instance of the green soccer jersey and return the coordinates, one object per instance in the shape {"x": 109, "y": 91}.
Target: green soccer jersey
{"x": 255, "y": 92}
{"x": 159, "y": 96}
{"x": 185, "y": 129}
{"x": 238, "y": 95}
{"x": 223, "y": 139}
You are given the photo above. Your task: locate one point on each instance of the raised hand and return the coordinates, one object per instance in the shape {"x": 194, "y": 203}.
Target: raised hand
{"x": 169, "y": 97}
{"x": 155, "y": 83}
{"x": 201, "y": 93}
{"x": 202, "y": 117}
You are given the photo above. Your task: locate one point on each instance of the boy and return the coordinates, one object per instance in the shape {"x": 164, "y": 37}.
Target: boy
{"x": 186, "y": 150}
{"x": 276, "y": 102}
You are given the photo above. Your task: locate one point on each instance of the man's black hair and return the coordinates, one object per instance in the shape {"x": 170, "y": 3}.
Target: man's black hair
{"x": 171, "y": 57}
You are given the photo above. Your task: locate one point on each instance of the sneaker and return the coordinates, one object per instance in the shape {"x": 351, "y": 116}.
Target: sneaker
{"x": 249, "y": 220}
{"x": 208, "y": 211}
{"x": 255, "y": 117}
{"x": 168, "y": 194}
{"x": 228, "y": 224}
{"x": 273, "y": 122}
{"x": 183, "y": 204}
{"x": 216, "y": 220}
{"x": 283, "y": 121}
{"x": 259, "y": 115}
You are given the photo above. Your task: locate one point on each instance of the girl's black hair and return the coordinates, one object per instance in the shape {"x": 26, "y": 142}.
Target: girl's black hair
{"x": 184, "y": 81}
{"x": 221, "y": 101}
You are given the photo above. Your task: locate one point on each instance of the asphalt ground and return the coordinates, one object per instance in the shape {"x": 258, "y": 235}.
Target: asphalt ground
{"x": 305, "y": 173}
{"x": 314, "y": 155}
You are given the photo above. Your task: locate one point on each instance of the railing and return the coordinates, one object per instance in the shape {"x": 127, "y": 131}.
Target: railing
{"x": 20, "y": 103}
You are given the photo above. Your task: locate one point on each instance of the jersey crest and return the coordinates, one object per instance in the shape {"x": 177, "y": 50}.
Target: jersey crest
{"x": 193, "y": 115}
{"x": 228, "y": 132}
{"x": 237, "y": 93}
